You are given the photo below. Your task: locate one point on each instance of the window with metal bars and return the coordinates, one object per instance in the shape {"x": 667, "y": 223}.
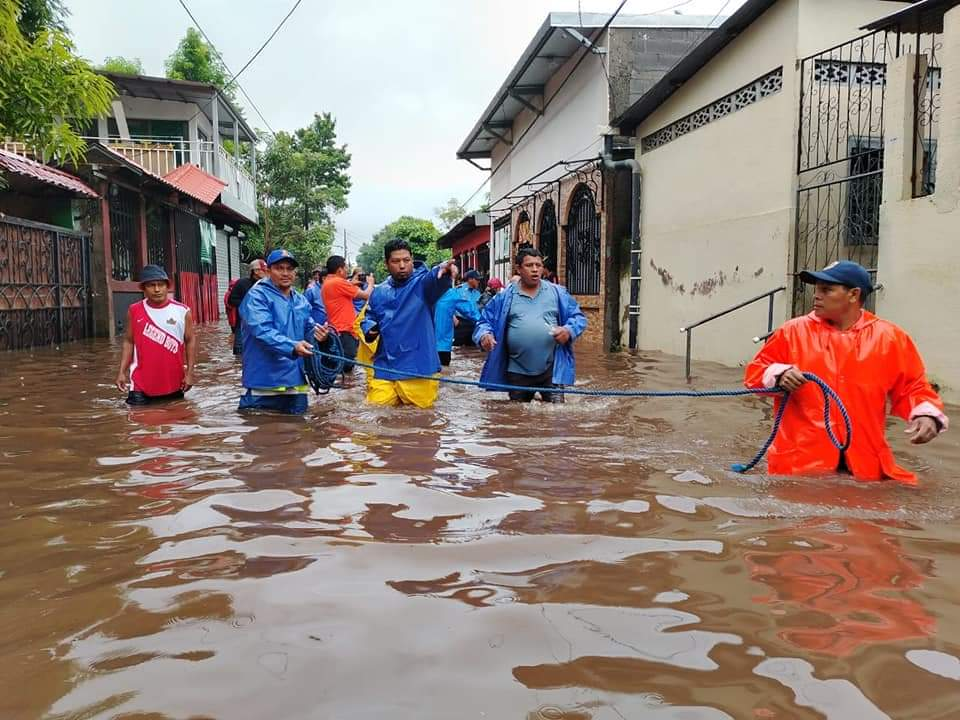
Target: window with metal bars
{"x": 583, "y": 244}
{"x": 124, "y": 231}
{"x": 548, "y": 236}
{"x": 158, "y": 233}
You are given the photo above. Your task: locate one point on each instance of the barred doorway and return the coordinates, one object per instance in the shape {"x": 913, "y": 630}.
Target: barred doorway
{"x": 840, "y": 160}
{"x": 583, "y": 244}
{"x": 548, "y": 236}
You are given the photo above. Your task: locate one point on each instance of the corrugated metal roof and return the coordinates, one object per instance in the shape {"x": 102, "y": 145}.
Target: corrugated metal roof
{"x": 463, "y": 228}
{"x": 192, "y": 181}
{"x": 547, "y": 53}
{"x": 25, "y": 167}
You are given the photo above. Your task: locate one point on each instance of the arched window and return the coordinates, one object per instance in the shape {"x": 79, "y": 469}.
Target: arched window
{"x": 548, "y": 235}
{"x": 583, "y": 244}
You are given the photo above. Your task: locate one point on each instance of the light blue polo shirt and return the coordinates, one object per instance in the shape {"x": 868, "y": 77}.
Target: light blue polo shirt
{"x": 530, "y": 345}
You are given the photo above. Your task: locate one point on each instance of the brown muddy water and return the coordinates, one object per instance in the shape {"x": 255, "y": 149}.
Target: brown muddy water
{"x": 480, "y": 560}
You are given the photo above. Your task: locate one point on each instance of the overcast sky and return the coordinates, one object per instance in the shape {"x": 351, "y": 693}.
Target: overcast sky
{"x": 406, "y": 81}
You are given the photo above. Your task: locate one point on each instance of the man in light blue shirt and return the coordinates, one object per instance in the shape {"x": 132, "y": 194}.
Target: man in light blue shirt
{"x": 528, "y": 331}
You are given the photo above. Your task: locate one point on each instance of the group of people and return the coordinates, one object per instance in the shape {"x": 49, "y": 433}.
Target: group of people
{"x": 407, "y": 325}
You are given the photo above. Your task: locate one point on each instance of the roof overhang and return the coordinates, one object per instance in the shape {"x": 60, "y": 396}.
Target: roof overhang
{"x": 31, "y": 176}
{"x": 557, "y": 40}
{"x": 186, "y": 91}
{"x": 463, "y": 228}
{"x": 923, "y": 17}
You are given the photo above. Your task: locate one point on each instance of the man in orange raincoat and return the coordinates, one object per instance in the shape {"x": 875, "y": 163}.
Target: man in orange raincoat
{"x": 868, "y": 361}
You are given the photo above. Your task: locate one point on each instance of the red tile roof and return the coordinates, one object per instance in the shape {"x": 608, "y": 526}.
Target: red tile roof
{"x": 192, "y": 181}
{"x": 25, "y": 167}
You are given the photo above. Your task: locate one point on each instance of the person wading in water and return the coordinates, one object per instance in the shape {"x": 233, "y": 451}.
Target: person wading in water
{"x": 157, "y": 342}
{"x": 528, "y": 331}
{"x": 399, "y": 320}
{"x": 276, "y": 319}
{"x": 869, "y": 362}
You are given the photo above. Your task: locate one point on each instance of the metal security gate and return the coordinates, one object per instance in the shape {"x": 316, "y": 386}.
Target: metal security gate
{"x": 44, "y": 285}
{"x": 583, "y": 244}
{"x": 840, "y": 161}
{"x": 548, "y": 236}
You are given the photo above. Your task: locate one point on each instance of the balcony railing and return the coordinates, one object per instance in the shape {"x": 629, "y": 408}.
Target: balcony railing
{"x": 238, "y": 180}
{"x": 162, "y": 155}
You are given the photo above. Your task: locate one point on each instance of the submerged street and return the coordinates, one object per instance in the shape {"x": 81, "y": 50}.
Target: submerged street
{"x": 478, "y": 560}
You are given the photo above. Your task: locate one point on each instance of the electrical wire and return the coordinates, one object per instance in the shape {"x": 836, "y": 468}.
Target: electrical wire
{"x": 220, "y": 56}
{"x": 265, "y": 43}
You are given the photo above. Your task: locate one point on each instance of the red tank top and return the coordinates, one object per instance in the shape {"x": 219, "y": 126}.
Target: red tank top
{"x": 158, "y": 353}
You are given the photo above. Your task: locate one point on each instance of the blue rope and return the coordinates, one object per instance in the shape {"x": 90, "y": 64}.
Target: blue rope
{"x": 828, "y": 395}
{"x": 323, "y": 368}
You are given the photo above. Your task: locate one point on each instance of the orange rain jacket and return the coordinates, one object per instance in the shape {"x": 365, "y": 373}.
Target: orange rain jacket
{"x": 868, "y": 365}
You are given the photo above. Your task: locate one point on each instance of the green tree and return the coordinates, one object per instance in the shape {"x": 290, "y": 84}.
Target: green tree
{"x": 303, "y": 181}
{"x": 450, "y": 214}
{"x": 36, "y": 16}
{"x": 123, "y": 66}
{"x": 194, "y": 59}
{"x": 46, "y": 90}
{"x": 421, "y": 234}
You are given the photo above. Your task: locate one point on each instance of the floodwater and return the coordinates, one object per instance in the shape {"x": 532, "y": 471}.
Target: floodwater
{"x": 480, "y": 560}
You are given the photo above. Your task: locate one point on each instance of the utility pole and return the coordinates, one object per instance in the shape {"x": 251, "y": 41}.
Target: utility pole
{"x": 344, "y": 243}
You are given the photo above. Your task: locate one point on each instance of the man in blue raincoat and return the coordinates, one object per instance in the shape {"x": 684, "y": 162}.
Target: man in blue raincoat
{"x": 314, "y": 296}
{"x": 457, "y": 306}
{"x": 464, "y": 325}
{"x": 529, "y": 330}
{"x": 276, "y": 319}
{"x": 399, "y": 320}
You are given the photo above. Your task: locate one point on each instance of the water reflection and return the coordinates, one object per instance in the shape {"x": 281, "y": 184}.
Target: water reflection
{"x": 594, "y": 560}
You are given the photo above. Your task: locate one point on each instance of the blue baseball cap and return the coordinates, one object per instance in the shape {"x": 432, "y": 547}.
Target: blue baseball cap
{"x": 153, "y": 273}
{"x": 472, "y": 274}
{"x": 281, "y": 254}
{"x": 846, "y": 273}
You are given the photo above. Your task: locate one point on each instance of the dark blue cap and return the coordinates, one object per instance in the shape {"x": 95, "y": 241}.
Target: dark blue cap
{"x": 152, "y": 273}
{"x": 845, "y": 272}
{"x": 472, "y": 274}
{"x": 281, "y": 254}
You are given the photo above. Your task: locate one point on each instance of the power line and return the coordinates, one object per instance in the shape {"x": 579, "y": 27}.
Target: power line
{"x": 265, "y": 42}
{"x": 220, "y": 56}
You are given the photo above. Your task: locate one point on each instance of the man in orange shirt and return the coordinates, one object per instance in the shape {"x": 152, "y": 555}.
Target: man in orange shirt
{"x": 872, "y": 364}
{"x": 338, "y": 296}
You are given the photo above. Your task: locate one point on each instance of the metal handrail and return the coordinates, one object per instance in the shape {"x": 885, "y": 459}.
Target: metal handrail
{"x": 770, "y": 295}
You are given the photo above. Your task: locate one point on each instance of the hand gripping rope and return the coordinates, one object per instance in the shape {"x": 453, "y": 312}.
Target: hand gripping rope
{"x": 323, "y": 367}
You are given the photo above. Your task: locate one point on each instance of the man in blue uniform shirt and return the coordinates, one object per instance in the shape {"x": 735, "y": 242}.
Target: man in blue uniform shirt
{"x": 400, "y": 319}
{"x": 276, "y": 319}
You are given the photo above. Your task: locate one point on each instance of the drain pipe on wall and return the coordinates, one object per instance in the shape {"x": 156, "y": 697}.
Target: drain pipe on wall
{"x": 633, "y": 165}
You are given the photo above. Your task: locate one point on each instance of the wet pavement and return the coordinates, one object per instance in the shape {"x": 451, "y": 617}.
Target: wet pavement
{"x": 480, "y": 560}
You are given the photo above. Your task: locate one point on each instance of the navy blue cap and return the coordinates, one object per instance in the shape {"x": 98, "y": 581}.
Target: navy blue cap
{"x": 281, "y": 254}
{"x": 845, "y": 272}
{"x": 472, "y": 275}
{"x": 152, "y": 273}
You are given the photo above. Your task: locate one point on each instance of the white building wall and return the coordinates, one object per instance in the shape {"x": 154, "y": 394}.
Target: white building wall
{"x": 919, "y": 258}
{"x": 717, "y": 203}
{"x": 223, "y": 270}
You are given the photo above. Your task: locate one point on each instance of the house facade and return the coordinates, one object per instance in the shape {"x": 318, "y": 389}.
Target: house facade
{"x": 761, "y": 155}
{"x": 541, "y": 138}
{"x": 469, "y": 243}
{"x": 163, "y": 189}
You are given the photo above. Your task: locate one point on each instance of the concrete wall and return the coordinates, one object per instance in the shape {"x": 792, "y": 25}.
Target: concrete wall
{"x": 718, "y": 203}
{"x": 826, "y": 23}
{"x": 919, "y": 262}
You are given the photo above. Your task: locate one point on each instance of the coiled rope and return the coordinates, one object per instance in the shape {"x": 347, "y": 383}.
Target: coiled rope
{"x": 325, "y": 374}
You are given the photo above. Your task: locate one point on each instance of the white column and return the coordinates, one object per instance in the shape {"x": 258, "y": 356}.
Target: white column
{"x": 948, "y": 144}
{"x": 215, "y": 119}
{"x": 899, "y": 144}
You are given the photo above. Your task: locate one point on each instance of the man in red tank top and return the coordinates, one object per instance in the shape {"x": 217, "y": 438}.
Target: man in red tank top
{"x": 157, "y": 342}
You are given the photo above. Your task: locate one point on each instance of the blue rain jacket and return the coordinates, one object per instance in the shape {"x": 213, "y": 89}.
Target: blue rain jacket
{"x": 404, "y": 314}
{"x": 317, "y": 310}
{"x": 272, "y": 325}
{"x": 460, "y": 301}
{"x": 493, "y": 319}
